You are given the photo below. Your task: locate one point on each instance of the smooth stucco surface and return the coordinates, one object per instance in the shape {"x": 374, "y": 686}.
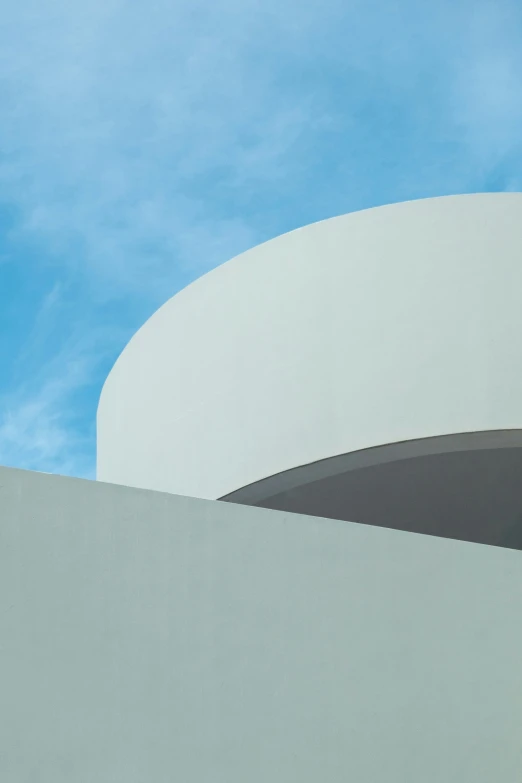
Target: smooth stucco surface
{"x": 392, "y": 324}
{"x": 149, "y": 637}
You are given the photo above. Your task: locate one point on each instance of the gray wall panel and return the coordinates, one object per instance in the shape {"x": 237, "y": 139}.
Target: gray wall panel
{"x": 149, "y": 637}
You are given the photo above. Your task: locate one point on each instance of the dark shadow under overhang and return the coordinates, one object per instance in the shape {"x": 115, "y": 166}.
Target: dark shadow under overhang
{"x": 465, "y": 486}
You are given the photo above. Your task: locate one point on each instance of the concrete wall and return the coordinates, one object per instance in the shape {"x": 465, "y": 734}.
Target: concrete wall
{"x": 393, "y": 324}
{"x": 148, "y": 637}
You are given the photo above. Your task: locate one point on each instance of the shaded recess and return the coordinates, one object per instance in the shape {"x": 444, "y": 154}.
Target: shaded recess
{"x": 466, "y": 487}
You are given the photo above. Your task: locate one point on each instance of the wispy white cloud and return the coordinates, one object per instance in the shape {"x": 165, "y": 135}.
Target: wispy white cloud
{"x": 39, "y": 427}
{"x": 43, "y": 421}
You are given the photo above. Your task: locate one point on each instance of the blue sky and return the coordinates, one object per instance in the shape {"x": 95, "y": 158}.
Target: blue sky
{"x": 143, "y": 143}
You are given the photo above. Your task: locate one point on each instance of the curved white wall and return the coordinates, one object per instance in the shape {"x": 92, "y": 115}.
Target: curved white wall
{"x": 392, "y": 324}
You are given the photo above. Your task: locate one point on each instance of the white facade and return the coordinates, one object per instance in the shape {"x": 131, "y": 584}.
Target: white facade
{"x": 394, "y": 325}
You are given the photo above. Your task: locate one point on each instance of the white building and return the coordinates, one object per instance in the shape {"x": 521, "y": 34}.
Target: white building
{"x": 361, "y": 370}
{"x": 365, "y": 368}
